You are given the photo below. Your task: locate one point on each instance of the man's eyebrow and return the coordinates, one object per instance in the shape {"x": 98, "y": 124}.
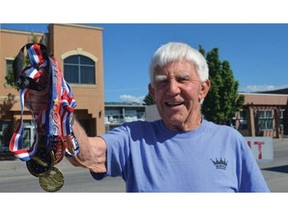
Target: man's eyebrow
{"x": 184, "y": 74}
{"x": 160, "y": 77}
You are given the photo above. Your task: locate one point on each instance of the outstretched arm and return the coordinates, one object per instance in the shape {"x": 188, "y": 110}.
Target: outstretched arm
{"x": 92, "y": 151}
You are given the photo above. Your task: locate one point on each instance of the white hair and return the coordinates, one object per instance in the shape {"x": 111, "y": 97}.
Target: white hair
{"x": 174, "y": 51}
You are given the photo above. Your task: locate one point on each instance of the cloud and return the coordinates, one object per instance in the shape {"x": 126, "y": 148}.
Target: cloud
{"x": 132, "y": 99}
{"x": 259, "y": 88}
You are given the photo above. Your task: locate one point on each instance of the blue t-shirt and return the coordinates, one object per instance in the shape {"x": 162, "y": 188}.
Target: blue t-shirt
{"x": 212, "y": 158}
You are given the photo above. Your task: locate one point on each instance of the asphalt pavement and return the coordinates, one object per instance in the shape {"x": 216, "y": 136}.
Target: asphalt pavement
{"x": 14, "y": 176}
{"x": 276, "y": 172}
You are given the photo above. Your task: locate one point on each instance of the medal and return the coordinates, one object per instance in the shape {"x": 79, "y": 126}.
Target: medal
{"x": 52, "y": 181}
{"x": 41, "y": 163}
{"x": 52, "y": 125}
{"x": 59, "y": 151}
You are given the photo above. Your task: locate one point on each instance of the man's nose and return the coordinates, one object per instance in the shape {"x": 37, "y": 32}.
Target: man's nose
{"x": 173, "y": 87}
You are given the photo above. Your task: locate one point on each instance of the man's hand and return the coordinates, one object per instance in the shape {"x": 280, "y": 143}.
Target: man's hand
{"x": 38, "y": 101}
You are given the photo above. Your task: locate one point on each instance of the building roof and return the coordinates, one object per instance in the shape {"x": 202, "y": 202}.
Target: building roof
{"x": 275, "y": 98}
{"x": 265, "y": 99}
{"x": 119, "y": 104}
{"x": 278, "y": 91}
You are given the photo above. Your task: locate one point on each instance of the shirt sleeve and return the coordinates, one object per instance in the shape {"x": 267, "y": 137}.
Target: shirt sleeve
{"x": 117, "y": 141}
{"x": 251, "y": 178}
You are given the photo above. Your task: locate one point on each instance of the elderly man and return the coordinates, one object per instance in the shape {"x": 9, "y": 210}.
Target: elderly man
{"x": 181, "y": 152}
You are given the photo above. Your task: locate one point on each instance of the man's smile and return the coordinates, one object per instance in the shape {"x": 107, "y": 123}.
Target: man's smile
{"x": 174, "y": 104}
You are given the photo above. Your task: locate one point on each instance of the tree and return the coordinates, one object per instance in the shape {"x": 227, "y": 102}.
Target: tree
{"x": 223, "y": 100}
{"x": 10, "y": 79}
{"x": 10, "y": 76}
{"x": 148, "y": 100}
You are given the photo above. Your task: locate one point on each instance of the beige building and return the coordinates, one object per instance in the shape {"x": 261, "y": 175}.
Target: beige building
{"x": 264, "y": 114}
{"x": 77, "y": 48}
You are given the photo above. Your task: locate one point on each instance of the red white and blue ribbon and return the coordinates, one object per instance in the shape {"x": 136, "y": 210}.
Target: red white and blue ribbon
{"x": 57, "y": 117}
{"x": 61, "y": 107}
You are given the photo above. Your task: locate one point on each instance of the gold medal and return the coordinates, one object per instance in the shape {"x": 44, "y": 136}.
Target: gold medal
{"x": 41, "y": 163}
{"x": 52, "y": 181}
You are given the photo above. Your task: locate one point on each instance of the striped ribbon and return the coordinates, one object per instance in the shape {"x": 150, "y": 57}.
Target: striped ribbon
{"x": 62, "y": 103}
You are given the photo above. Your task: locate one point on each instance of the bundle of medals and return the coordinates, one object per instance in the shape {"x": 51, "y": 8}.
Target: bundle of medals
{"x": 57, "y": 138}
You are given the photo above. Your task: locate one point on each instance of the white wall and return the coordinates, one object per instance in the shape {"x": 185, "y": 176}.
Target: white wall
{"x": 151, "y": 113}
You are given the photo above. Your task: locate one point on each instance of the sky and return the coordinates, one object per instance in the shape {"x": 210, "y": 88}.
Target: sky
{"x": 257, "y": 51}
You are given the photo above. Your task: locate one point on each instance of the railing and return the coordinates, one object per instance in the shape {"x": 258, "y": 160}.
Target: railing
{"x": 120, "y": 119}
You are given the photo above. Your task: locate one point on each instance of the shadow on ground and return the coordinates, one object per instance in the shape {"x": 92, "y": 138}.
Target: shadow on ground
{"x": 283, "y": 169}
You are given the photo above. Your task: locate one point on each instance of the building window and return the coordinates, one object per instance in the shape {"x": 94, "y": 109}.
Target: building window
{"x": 281, "y": 116}
{"x": 79, "y": 69}
{"x": 113, "y": 116}
{"x": 9, "y": 64}
{"x": 243, "y": 120}
{"x": 281, "y": 120}
{"x": 6, "y": 131}
{"x": 265, "y": 120}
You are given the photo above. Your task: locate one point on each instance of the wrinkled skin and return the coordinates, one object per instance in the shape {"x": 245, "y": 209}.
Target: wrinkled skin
{"x": 38, "y": 101}
{"x": 177, "y": 92}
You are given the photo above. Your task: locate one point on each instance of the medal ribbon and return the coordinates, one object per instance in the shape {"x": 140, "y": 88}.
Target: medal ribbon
{"x": 62, "y": 104}
{"x": 61, "y": 107}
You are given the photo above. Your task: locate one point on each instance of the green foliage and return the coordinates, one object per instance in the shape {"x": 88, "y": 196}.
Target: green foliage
{"x": 223, "y": 100}
{"x": 10, "y": 77}
{"x": 148, "y": 100}
{"x": 6, "y": 105}
{"x": 34, "y": 38}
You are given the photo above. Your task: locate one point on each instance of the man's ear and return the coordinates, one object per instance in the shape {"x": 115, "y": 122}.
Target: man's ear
{"x": 205, "y": 86}
{"x": 151, "y": 91}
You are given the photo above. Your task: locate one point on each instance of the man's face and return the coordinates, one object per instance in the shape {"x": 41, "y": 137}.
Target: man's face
{"x": 177, "y": 92}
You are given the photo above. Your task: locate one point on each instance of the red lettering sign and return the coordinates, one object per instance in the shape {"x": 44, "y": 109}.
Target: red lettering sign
{"x": 259, "y": 144}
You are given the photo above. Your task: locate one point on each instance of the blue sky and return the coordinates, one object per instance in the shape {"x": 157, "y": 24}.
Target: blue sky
{"x": 258, "y": 53}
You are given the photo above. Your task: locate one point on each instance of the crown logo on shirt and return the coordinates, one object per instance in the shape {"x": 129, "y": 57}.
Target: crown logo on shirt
{"x": 220, "y": 164}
